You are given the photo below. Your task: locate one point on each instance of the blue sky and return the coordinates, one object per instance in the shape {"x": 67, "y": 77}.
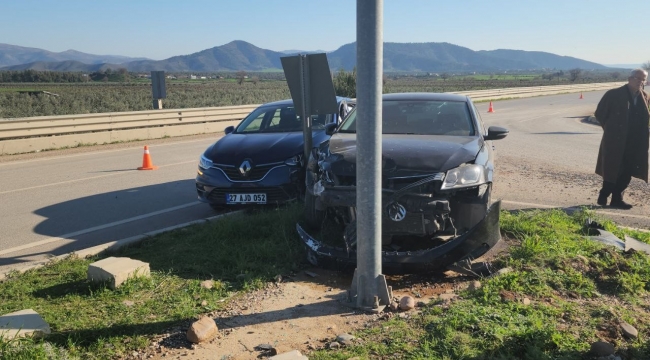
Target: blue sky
{"x": 606, "y": 32}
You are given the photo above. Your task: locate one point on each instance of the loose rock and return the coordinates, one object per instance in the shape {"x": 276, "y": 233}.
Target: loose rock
{"x": 128, "y": 303}
{"x": 394, "y": 306}
{"x": 474, "y": 285}
{"x": 503, "y": 271}
{"x": 526, "y": 301}
{"x": 334, "y": 345}
{"x": 447, "y": 297}
{"x": 207, "y": 284}
{"x": 407, "y": 303}
{"x": 345, "y": 339}
{"x": 601, "y": 348}
{"x": 629, "y": 330}
{"x": 202, "y": 330}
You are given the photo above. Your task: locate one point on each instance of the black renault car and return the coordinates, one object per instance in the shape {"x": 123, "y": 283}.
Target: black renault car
{"x": 437, "y": 172}
{"x": 261, "y": 160}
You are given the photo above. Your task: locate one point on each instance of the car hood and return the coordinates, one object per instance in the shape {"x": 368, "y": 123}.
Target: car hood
{"x": 262, "y": 148}
{"x": 407, "y": 155}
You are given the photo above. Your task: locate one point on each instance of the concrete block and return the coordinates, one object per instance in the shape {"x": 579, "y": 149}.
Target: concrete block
{"x": 291, "y": 355}
{"x": 23, "y": 323}
{"x": 117, "y": 270}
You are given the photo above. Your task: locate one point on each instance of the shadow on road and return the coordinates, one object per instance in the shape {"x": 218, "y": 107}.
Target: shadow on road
{"x": 101, "y": 218}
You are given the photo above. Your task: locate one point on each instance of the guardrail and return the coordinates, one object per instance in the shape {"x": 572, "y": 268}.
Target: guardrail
{"x": 520, "y": 92}
{"x": 23, "y": 135}
{"x": 51, "y": 132}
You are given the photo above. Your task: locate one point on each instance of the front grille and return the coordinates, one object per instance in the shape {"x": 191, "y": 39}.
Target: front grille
{"x": 413, "y": 223}
{"x": 273, "y": 194}
{"x": 255, "y": 174}
{"x": 397, "y": 183}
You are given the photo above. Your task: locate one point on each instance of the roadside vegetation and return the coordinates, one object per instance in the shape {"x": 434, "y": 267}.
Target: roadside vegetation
{"x": 578, "y": 291}
{"x": 31, "y": 93}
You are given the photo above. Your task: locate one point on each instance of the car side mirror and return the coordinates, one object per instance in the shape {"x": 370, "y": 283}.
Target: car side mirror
{"x": 329, "y": 128}
{"x": 229, "y": 129}
{"x": 496, "y": 133}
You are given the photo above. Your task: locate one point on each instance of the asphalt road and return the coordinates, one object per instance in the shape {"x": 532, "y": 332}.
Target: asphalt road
{"x": 58, "y": 202}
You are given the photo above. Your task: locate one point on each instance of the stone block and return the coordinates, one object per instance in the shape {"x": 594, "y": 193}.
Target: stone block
{"x": 202, "y": 330}
{"x": 291, "y": 355}
{"x": 116, "y": 270}
{"x": 23, "y": 323}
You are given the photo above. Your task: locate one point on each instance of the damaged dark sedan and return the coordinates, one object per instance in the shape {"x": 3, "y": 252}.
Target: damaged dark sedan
{"x": 437, "y": 173}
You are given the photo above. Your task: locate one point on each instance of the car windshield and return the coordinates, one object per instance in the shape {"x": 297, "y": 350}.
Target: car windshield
{"x": 421, "y": 117}
{"x": 278, "y": 118}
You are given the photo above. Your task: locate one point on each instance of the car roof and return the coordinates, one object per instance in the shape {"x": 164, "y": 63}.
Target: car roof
{"x": 424, "y": 96}
{"x": 290, "y": 101}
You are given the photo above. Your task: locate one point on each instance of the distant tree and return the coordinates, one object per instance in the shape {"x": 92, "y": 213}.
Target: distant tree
{"x": 255, "y": 79}
{"x": 345, "y": 83}
{"x": 574, "y": 74}
{"x": 240, "y": 75}
{"x": 646, "y": 65}
{"x": 123, "y": 74}
{"x": 615, "y": 75}
{"x": 444, "y": 76}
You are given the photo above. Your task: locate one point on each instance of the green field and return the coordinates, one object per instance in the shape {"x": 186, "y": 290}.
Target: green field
{"x": 135, "y": 95}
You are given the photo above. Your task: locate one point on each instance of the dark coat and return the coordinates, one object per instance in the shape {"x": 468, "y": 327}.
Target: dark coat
{"x": 612, "y": 114}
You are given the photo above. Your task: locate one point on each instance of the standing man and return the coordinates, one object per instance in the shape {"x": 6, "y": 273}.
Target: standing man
{"x": 623, "y": 113}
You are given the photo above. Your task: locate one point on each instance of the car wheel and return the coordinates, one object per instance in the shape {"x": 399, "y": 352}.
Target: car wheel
{"x": 313, "y": 216}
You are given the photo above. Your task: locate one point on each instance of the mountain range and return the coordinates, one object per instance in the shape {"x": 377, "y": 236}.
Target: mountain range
{"x": 240, "y": 55}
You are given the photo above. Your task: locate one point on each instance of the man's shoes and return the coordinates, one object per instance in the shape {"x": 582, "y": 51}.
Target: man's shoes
{"x": 620, "y": 204}
{"x": 602, "y": 199}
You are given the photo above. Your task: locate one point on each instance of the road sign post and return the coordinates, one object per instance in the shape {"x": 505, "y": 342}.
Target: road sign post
{"x": 312, "y": 90}
{"x": 158, "y": 89}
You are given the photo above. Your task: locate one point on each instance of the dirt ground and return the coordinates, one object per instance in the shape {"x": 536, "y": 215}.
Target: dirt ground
{"x": 304, "y": 311}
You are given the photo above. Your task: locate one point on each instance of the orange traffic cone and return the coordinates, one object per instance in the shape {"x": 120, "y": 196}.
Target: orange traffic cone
{"x": 146, "y": 160}
{"x": 490, "y": 109}
{"x": 581, "y": 96}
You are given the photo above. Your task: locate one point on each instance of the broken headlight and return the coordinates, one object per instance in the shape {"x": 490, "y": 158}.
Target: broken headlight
{"x": 464, "y": 176}
{"x": 294, "y": 160}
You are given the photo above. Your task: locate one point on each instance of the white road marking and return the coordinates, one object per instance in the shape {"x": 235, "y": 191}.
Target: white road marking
{"x": 558, "y": 206}
{"x": 100, "y": 227}
{"x": 90, "y": 178}
{"x": 90, "y": 152}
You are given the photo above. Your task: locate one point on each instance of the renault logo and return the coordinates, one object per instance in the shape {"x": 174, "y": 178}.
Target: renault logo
{"x": 396, "y": 212}
{"x": 245, "y": 168}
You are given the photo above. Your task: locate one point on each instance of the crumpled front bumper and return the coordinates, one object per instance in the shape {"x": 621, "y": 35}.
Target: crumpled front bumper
{"x": 469, "y": 245}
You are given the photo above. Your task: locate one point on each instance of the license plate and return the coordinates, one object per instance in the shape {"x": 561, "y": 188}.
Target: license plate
{"x": 246, "y": 198}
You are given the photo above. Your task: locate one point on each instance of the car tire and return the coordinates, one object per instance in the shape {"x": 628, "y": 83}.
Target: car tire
{"x": 313, "y": 216}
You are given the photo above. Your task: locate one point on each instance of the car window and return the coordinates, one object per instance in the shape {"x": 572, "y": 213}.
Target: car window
{"x": 421, "y": 117}
{"x": 279, "y": 119}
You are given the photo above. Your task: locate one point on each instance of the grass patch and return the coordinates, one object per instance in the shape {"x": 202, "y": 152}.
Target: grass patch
{"x": 579, "y": 292}
{"x": 91, "y": 321}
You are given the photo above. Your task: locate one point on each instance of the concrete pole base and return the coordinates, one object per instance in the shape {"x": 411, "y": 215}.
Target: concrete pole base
{"x": 382, "y": 299}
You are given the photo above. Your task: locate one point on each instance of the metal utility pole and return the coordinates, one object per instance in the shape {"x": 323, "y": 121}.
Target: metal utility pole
{"x": 368, "y": 285}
